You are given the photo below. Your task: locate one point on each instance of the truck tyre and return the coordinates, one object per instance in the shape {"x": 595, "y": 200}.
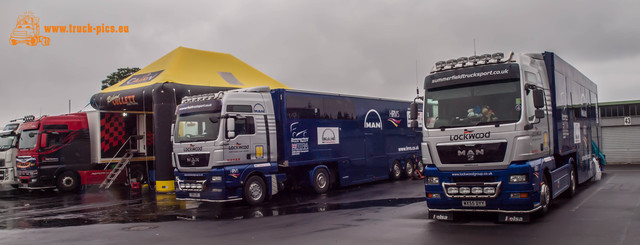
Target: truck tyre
{"x": 408, "y": 168}
{"x": 321, "y": 180}
{"x": 545, "y": 196}
{"x": 14, "y": 42}
{"x": 45, "y": 41}
{"x": 33, "y": 41}
{"x": 571, "y": 192}
{"x": 255, "y": 190}
{"x": 420, "y": 166}
{"x": 68, "y": 181}
{"x": 138, "y": 174}
{"x": 396, "y": 170}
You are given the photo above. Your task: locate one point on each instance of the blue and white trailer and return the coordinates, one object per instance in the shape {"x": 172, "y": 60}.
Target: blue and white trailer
{"x": 249, "y": 143}
{"x": 506, "y": 134}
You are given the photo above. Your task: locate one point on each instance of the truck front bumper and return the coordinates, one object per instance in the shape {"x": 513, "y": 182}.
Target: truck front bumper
{"x": 508, "y": 199}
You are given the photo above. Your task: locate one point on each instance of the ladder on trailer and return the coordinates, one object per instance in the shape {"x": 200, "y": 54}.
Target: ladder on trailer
{"x": 115, "y": 172}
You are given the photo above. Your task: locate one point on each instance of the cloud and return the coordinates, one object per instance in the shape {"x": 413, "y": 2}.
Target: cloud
{"x": 373, "y": 48}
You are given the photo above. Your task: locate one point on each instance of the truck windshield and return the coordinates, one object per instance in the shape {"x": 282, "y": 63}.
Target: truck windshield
{"x": 475, "y": 104}
{"x": 196, "y": 127}
{"x": 28, "y": 139}
{"x": 6, "y": 142}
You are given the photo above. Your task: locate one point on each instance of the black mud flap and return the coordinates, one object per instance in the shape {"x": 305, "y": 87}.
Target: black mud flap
{"x": 441, "y": 215}
{"x": 513, "y": 218}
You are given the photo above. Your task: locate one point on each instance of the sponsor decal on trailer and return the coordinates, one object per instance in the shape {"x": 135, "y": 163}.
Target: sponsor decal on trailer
{"x": 299, "y": 139}
{"x": 408, "y": 148}
{"x": 373, "y": 120}
{"x": 394, "y": 121}
{"x": 328, "y": 136}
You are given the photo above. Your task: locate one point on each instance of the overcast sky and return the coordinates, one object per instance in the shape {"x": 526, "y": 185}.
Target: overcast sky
{"x": 373, "y": 48}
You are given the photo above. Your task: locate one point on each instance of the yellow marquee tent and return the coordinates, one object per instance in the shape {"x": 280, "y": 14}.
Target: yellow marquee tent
{"x": 160, "y": 86}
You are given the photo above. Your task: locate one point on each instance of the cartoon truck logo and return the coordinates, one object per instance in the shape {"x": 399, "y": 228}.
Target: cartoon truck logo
{"x": 27, "y": 31}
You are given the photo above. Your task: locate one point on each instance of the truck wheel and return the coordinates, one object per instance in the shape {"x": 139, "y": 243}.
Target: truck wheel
{"x": 68, "y": 181}
{"x": 321, "y": 181}
{"x": 138, "y": 174}
{"x": 571, "y": 192}
{"x": 14, "y": 42}
{"x": 545, "y": 196}
{"x": 396, "y": 170}
{"x": 408, "y": 168}
{"x": 33, "y": 41}
{"x": 45, "y": 41}
{"x": 255, "y": 190}
{"x": 420, "y": 166}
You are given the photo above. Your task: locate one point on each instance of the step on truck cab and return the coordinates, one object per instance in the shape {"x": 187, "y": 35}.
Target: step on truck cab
{"x": 249, "y": 143}
{"x": 506, "y": 134}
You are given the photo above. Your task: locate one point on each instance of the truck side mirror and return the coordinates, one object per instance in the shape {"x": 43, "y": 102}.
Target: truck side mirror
{"x": 231, "y": 128}
{"x": 538, "y": 98}
{"x": 413, "y": 111}
{"x": 539, "y": 114}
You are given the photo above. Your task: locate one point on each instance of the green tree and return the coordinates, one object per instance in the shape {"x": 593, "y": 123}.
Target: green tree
{"x": 118, "y": 75}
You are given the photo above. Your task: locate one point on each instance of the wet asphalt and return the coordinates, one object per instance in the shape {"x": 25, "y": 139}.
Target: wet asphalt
{"x": 386, "y": 212}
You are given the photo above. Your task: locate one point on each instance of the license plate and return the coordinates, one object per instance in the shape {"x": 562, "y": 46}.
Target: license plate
{"x": 474, "y": 203}
{"x": 194, "y": 194}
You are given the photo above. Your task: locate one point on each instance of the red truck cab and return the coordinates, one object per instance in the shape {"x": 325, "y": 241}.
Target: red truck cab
{"x": 53, "y": 151}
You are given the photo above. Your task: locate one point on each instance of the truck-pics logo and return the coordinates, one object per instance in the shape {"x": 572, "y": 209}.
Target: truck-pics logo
{"x": 27, "y": 31}
{"x": 469, "y": 135}
{"x": 328, "y": 136}
{"x": 373, "y": 119}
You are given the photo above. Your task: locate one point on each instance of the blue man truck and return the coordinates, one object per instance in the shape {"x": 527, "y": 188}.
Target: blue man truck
{"x": 251, "y": 143}
{"x": 506, "y": 134}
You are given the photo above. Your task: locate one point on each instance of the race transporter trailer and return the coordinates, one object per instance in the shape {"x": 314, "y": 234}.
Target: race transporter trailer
{"x": 72, "y": 150}
{"x": 250, "y": 143}
{"x": 506, "y": 134}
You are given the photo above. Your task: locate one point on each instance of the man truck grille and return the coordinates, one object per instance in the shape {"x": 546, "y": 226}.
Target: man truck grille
{"x": 193, "y": 160}
{"x": 472, "y": 153}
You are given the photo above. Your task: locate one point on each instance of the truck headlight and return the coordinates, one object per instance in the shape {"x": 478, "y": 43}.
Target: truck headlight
{"x": 452, "y": 190}
{"x": 489, "y": 190}
{"x": 476, "y": 190}
{"x": 465, "y": 190}
{"x": 518, "y": 178}
{"x": 216, "y": 178}
{"x": 433, "y": 180}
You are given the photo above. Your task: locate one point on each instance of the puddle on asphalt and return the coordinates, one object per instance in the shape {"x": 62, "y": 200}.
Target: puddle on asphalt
{"x": 19, "y": 210}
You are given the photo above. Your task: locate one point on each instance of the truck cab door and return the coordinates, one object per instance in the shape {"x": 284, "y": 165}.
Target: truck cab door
{"x": 239, "y": 138}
